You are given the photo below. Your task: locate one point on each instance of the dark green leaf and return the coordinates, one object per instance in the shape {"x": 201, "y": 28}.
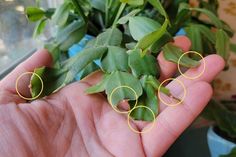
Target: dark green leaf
{"x": 141, "y": 26}
{"x": 173, "y": 53}
{"x": 146, "y": 65}
{"x": 233, "y": 47}
{"x": 34, "y": 13}
{"x": 222, "y": 44}
{"x": 116, "y": 59}
{"x": 40, "y": 27}
{"x": 118, "y": 79}
{"x": 53, "y": 80}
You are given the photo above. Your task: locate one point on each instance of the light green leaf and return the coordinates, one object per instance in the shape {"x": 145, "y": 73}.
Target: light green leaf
{"x": 222, "y": 44}
{"x": 111, "y": 37}
{"x": 140, "y": 26}
{"x": 116, "y": 59}
{"x": 34, "y": 13}
{"x": 173, "y": 53}
{"x": 151, "y": 38}
{"x": 40, "y": 27}
{"x": 133, "y": 2}
{"x": 100, "y": 87}
{"x": 207, "y": 33}
{"x": 98, "y": 4}
{"x": 118, "y": 79}
{"x": 146, "y": 65}
{"x": 126, "y": 18}
{"x": 62, "y": 13}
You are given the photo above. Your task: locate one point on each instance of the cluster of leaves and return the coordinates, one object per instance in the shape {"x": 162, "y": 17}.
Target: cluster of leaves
{"x": 129, "y": 35}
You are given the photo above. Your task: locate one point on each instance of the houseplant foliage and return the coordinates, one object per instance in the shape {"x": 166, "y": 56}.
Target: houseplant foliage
{"x": 129, "y": 34}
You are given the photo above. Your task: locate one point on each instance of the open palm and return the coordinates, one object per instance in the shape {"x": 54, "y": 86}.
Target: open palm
{"x": 72, "y": 123}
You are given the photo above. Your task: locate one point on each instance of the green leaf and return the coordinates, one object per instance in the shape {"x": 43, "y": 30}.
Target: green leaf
{"x": 231, "y": 154}
{"x": 224, "y": 118}
{"x": 148, "y": 99}
{"x": 111, "y": 37}
{"x": 141, "y": 26}
{"x": 157, "y": 46}
{"x": 92, "y": 67}
{"x": 62, "y": 13}
{"x": 98, "y": 4}
{"x": 81, "y": 60}
{"x": 52, "y": 80}
{"x": 116, "y": 59}
{"x": 40, "y": 27}
{"x": 100, "y": 87}
{"x": 118, "y": 79}
{"x": 233, "y": 47}
{"x": 222, "y": 44}
{"x": 71, "y": 34}
{"x": 146, "y": 65}
{"x": 173, "y": 53}
{"x": 133, "y": 2}
{"x": 158, "y": 6}
{"x": 193, "y": 32}
{"x": 126, "y": 18}
{"x": 207, "y": 33}
{"x": 215, "y": 20}
{"x": 151, "y": 38}
{"x": 34, "y": 13}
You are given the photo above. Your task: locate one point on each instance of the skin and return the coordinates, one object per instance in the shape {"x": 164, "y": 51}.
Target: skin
{"x": 72, "y": 123}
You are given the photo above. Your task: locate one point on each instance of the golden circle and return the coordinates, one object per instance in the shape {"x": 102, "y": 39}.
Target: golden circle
{"x": 115, "y": 108}
{"x": 204, "y": 65}
{"x": 17, "y": 80}
{"x": 159, "y": 91}
{"x": 146, "y": 130}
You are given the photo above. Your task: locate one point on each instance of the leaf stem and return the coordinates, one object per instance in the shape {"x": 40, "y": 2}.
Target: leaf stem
{"x": 120, "y": 11}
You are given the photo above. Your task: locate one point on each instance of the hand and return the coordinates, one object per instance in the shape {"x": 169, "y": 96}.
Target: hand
{"x": 72, "y": 123}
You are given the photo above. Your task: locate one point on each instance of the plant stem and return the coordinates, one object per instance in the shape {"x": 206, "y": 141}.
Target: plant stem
{"x": 120, "y": 11}
{"x": 79, "y": 10}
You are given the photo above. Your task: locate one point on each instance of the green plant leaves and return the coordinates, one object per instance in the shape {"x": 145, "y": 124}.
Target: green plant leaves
{"x": 157, "y": 5}
{"x": 215, "y": 20}
{"x": 62, "y": 13}
{"x": 39, "y": 27}
{"x": 133, "y": 2}
{"x": 100, "y": 87}
{"x": 151, "y": 38}
{"x": 222, "y": 44}
{"x": 223, "y": 117}
{"x": 126, "y": 18}
{"x": 111, "y": 37}
{"x": 118, "y": 79}
{"x": 231, "y": 154}
{"x": 141, "y": 26}
{"x": 53, "y": 80}
{"x": 173, "y": 53}
{"x": 34, "y": 13}
{"x": 142, "y": 65}
{"x": 116, "y": 59}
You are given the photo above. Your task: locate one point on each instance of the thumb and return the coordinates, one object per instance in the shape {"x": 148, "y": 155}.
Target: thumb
{"x": 93, "y": 78}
